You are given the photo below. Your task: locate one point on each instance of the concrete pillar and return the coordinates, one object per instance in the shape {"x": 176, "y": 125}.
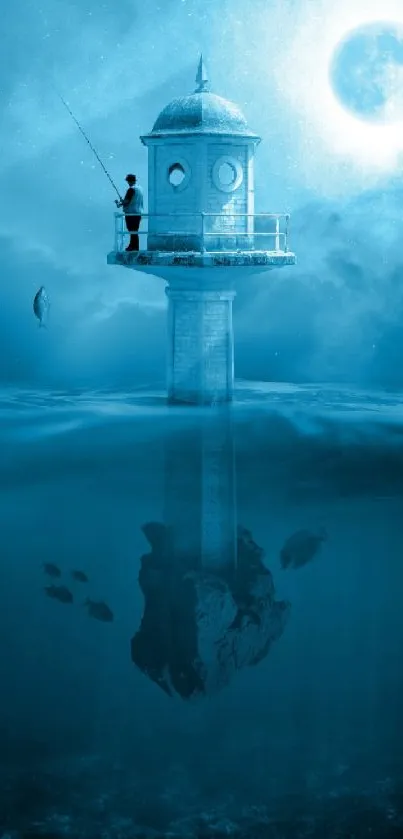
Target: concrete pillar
{"x": 200, "y": 491}
{"x": 200, "y": 345}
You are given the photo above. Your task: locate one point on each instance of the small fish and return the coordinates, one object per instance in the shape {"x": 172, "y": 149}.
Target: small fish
{"x": 301, "y": 547}
{"x": 41, "y": 306}
{"x": 59, "y": 593}
{"x": 80, "y": 576}
{"x": 51, "y": 570}
{"x": 100, "y": 611}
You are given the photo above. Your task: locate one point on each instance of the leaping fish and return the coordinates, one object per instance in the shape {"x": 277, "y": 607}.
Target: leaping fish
{"x": 41, "y": 306}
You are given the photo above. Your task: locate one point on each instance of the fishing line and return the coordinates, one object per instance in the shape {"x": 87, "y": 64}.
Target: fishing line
{"x": 94, "y": 151}
{"x": 88, "y": 141}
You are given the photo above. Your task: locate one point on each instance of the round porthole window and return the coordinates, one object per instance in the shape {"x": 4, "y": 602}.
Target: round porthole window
{"x": 178, "y": 175}
{"x": 227, "y": 174}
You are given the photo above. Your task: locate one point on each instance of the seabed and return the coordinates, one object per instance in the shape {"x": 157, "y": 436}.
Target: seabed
{"x": 94, "y": 798}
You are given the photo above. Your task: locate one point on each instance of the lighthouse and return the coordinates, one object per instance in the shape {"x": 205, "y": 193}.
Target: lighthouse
{"x": 202, "y": 236}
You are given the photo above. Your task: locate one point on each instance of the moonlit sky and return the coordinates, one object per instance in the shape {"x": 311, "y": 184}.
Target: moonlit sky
{"x": 337, "y": 315}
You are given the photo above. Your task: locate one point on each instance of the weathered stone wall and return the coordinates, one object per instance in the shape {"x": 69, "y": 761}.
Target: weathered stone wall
{"x": 232, "y": 202}
{"x": 199, "y": 193}
{"x": 200, "y": 346}
{"x": 176, "y": 210}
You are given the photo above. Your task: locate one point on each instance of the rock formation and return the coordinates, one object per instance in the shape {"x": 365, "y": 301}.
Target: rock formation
{"x": 199, "y": 627}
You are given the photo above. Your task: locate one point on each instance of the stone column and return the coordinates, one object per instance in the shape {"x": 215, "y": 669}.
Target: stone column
{"x": 200, "y": 345}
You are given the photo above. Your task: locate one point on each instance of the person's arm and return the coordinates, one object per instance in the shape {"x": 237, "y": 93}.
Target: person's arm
{"x": 128, "y": 197}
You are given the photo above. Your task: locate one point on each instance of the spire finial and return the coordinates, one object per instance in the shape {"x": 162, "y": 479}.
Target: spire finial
{"x": 202, "y": 79}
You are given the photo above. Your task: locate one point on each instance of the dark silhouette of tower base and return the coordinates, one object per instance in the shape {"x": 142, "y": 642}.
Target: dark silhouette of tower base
{"x": 209, "y": 600}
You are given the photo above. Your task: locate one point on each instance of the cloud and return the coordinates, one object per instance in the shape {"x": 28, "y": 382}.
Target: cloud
{"x": 95, "y": 58}
{"x": 337, "y": 314}
{"x": 97, "y": 336}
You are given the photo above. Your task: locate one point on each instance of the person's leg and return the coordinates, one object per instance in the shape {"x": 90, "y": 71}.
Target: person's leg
{"x": 133, "y": 224}
{"x": 129, "y": 225}
{"x": 134, "y": 240}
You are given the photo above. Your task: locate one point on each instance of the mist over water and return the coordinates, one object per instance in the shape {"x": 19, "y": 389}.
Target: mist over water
{"x": 305, "y": 743}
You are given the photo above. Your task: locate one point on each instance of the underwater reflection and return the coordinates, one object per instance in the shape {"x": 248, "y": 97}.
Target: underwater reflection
{"x": 210, "y": 605}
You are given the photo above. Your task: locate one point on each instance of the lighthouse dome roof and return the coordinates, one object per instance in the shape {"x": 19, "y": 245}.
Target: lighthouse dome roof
{"x": 201, "y": 112}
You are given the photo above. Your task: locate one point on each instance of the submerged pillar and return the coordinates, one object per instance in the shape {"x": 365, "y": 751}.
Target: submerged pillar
{"x": 200, "y": 493}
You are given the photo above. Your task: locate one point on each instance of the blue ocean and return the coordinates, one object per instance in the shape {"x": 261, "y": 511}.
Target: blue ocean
{"x": 298, "y": 738}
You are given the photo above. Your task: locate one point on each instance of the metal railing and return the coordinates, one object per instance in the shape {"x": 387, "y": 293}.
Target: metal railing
{"x": 207, "y": 232}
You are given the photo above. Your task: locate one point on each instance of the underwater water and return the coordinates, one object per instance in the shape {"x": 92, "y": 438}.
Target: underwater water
{"x": 305, "y": 743}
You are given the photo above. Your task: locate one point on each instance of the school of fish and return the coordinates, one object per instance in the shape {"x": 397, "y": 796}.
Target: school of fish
{"x": 96, "y": 609}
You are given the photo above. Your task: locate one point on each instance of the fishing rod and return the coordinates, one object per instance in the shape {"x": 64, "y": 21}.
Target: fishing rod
{"x": 89, "y": 143}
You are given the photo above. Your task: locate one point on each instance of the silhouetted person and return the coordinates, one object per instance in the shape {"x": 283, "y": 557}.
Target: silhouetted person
{"x": 132, "y": 207}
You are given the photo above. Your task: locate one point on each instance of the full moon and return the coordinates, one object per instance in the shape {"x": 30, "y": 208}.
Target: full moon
{"x": 366, "y": 72}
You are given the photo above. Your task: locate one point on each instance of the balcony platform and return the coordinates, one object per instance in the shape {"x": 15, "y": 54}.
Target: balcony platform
{"x": 150, "y": 261}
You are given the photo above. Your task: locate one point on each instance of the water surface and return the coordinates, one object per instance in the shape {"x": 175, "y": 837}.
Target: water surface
{"x": 306, "y": 744}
